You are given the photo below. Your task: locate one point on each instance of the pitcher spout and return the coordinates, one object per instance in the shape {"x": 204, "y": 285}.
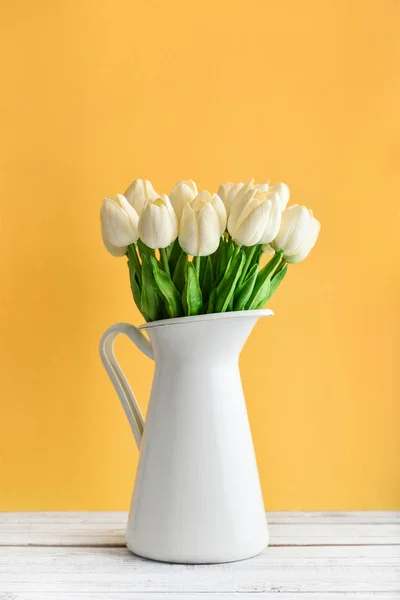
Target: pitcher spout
{"x": 221, "y": 335}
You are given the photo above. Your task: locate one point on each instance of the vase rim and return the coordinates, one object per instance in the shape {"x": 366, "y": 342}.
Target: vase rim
{"x": 264, "y": 312}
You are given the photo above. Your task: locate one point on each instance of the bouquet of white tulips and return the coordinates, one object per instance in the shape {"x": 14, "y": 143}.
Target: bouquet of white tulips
{"x": 195, "y": 252}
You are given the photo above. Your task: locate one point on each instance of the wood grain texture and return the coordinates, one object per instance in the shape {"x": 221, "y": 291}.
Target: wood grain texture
{"x": 287, "y": 569}
{"x": 327, "y": 556}
{"x": 195, "y": 596}
{"x": 291, "y": 529}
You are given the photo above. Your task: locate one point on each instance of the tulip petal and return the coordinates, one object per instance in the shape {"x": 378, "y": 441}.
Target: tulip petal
{"x": 209, "y": 230}
{"x": 237, "y": 207}
{"x": 139, "y": 191}
{"x": 307, "y": 245}
{"x": 221, "y": 212}
{"x": 182, "y": 193}
{"x": 262, "y": 187}
{"x": 158, "y": 224}
{"x": 250, "y": 231}
{"x": 119, "y": 226}
{"x": 202, "y": 198}
{"x": 298, "y": 233}
{"x": 293, "y": 226}
{"x": 224, "y": 190}
{"x": 188, "y": 231}
{"x": 284, "y": 193}
{"x": 274, "y": 218}
{"x": 114, "y": 250}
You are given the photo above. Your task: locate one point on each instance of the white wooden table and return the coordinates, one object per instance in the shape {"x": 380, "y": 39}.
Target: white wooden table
{"x": 64, "y": 556}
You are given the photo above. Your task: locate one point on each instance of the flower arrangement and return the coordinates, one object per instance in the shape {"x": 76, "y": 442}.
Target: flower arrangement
{"x": 195, "y": 252}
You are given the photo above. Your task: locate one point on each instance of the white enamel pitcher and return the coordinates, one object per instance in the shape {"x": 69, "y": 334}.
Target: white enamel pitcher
{"x": 197, "y": 496}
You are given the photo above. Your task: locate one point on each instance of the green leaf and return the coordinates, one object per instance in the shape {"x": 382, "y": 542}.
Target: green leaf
{"x": 133, "y": 261}
{"x": 203, "y": 261}
{"x": 169, "y": 294}
{"x": 221, "y": 261}
{"x": 243, "y": 293}
{"x": 174, "y": 253}
{"x": 215, "y": 256}
{"x": 192, "y": 299}
{"x": 211, "y": 301}
{"x": 272, "y": 287}
{"x": 261, "y": 288}
{"x": 272, "y": 264}
{"x": 226, "y": 287}
{"x": 179, "y": 272}
{"x": 250, "y": 252}
{"x": 150, "y": 304}
{"x": 207, "y": 280}
{"x": 256, "y": 257}
{"x": 259, "y": 296}
{"x": 226, "y": 252}
{"x": 135, "y": 284}
{"x": 276, "y": 280}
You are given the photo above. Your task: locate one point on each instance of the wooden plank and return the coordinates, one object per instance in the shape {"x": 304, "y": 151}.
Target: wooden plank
{"x": 278, "y": 570}
{"x": 370, "y": 517}
{"x": 107, "y": 529}
{"x": 352, "y": 516}
{"x": 201, "y": 596}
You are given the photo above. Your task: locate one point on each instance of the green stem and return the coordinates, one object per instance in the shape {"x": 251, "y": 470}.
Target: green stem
{"x": 281, "y": 266}
{"x": 164, "y": 260}
{"x": 249, "y": 258}
{"x": 196, "y": 262}
{"x": 133, "y": 257}
{"x": 236, "y": 250}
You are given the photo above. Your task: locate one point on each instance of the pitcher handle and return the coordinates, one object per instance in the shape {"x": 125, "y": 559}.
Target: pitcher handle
{"x": 118, "y": 379}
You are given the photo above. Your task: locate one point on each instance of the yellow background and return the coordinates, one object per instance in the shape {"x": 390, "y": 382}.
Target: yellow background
{"x": 97, "y": 93}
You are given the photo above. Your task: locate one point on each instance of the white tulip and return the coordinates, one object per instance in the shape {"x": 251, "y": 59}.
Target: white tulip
{"x": 228, "y": 191}
{"x": 250, "y": 214}
{"x": 114, "y": 250}
{"x": 139, "y": 192}
{"x": 284, "y": 193}
{"x": 205, "y": 197}
{"x": 202, "y": 224}
{"x": 158, "y": 223}
{"x": 182, "y": 192}
{"x": 119, "y": 221}
{"x": 273, "y": 219}
{"x": 298, "y": 233}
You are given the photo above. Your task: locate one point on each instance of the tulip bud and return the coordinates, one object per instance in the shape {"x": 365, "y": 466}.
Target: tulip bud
{"x": 273, "y": 219}
{"x": 139, "y": 192}
{"x": 227, "y": 192}
{"x": 284, "y": 193}
{"x": 114, "y": 250}
{"x": 249, "y": 217}
{"x": 205, "y": 197}
{"x": 119, "y": 221}
{"x": 181, "y": 193}
{"x": 298, "y": 233}
{"x": 202, "y": 224}
{"x": 158, "y": 223}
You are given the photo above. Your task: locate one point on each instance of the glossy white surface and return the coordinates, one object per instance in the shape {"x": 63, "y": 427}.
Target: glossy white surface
{"x": 197, "y": 496}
